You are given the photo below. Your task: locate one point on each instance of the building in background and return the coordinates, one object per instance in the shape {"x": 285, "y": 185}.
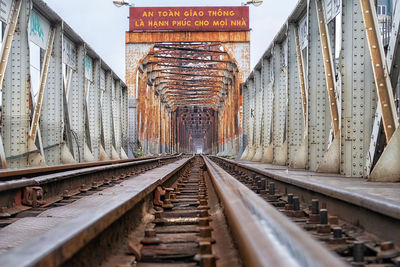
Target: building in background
{"x": 385, "y": 11}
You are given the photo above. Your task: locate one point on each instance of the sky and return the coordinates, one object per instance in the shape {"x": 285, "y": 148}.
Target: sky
{"x": 103, "y": 26}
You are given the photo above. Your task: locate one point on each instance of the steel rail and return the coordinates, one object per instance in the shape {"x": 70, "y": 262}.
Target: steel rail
{"x": 15, "y": 195}
{"x": 35, "y": 171}
{"x": 375, "y": 215}
{"x": 265, "y": 237}
{"x": 59, "y": 244}
{"x": 66, "y": 174}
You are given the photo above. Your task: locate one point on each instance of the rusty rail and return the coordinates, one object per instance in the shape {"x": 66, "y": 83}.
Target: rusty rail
{"x": 9, "y": 174}
{"x": 59, "y": 244}
{"x": 44, "y": 189}
{"x": 265, "y": 237}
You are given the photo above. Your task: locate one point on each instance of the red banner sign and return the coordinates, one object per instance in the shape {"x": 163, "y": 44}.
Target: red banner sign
{"x": 234, "y": 18}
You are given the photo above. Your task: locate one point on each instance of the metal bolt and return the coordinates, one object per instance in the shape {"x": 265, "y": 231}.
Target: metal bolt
{"x": 290, "y": 199}
{"x": 203, "y": 202}
{"x": 314, "y": 206}
{"x": 205, "y": 232}
{"x": 203, "y": 222}
{"x": 205, "y": 247}
{"x": 208, "y": 261}
{"x": 271, "y": 188}
{"x": 204, "y": 213}
{"x": 323, "y": 216}
{"x": 337, "y": 232}
{"x": 358, "y": 251}
{"x": 296, "y": 203}
{"x": 150, "y": 237}
{"x": 263, "y": 184}
{"x": 158, "y": 214}
{"x": 66, "y": 194}
{"x": 149, "y": 233}
{"x": 83, "y": 188}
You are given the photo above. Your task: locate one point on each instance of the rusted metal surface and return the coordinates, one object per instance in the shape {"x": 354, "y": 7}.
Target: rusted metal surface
{"x": 329, "y": 68}
{"x": 300, "y": 61}
{"x": 189, "y": 18}
{"x": 160, "y": 37}
{"x": 184, "y": 68}
{"x": 379, "y": 67}
{"x": 201, "y": 79}
{"x": 256, "y": 225}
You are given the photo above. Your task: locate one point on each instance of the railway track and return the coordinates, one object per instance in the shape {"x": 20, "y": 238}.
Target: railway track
{"x": 189, "y": 212}
{"x": 29, "y": 192}
{"x": 356, "y": 245}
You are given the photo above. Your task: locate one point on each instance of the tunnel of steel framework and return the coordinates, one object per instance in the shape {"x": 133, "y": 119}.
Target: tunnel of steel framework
{"x": 184, "y": 86}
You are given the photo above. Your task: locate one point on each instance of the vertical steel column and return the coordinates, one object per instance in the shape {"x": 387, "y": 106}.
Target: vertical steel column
{"x": 358, "y": 91}
{"x": 51, "y": 117}
{"x": 268, "y": 100}
{"x": 124, "y": 122}
{"x": 236, "y": 115}
{"x": 133, "y": 123}
{"x": 107, "y": 115}
{"x": 37, "y": 158}
{"x": 5, "y": 52}
{"x": 245, "y": 115}
{"x": 280, "y": 105}
{"x": 318, "y": 118}
{"x": 94, "y": 107}
{"x": 258, "y": 115}
{"x": 15, "y": 89}
{"x": 76, "y": 104}
{"x": 116, "y": 100}
{"x": 297, "y": 104}
{"x": 331, "y": 160}
{"x": 251, "y": 97}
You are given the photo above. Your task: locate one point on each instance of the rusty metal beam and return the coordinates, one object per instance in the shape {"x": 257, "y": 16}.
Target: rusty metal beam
{"x": 379, "y": 66}
{"x": 329, "y": 69}
{"x": 190, "y": 67}
{"x": 174, "y": 37}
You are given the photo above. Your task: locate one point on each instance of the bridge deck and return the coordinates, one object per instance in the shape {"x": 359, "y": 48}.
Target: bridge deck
{"x": 379, "y": 197}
